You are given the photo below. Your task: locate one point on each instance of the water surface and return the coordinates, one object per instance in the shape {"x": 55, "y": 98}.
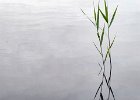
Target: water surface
{"x": 46, "y": 51}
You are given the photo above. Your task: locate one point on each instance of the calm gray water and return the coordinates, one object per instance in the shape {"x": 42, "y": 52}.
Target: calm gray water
{"x": 46, "y": 50}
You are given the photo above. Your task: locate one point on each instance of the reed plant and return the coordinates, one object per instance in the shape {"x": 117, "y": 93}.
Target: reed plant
{"x": 103, "y": 48}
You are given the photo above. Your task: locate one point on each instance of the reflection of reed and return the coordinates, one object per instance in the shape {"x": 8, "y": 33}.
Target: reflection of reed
{"x": 107, "y": 55}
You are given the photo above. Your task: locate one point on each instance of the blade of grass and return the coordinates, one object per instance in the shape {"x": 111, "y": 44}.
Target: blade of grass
{"x": 88, "y": 18}
{"x": 102, "y": 36}
{"x": 106, "y": 10}
{"x": 113, "y": 16}
{"x": 94, "y": 11}
{"x": 98, "y": 36}
{"x": 103, "y": 15}
{"x": 97, "y": 23}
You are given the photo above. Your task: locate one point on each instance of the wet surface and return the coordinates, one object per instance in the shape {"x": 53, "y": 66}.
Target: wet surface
{"x": 46, "y": 51}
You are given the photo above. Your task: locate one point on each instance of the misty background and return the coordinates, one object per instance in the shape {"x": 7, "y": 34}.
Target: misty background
{"x": 46, "y": 50}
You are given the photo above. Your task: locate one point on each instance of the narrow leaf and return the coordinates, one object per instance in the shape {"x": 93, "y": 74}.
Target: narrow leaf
{"x": 106, "y": 10}
{"x": 102, "y": 36}
{"x": 103, "y": 16}
{"x": 88, "y": 18}
{"x": 97, "y": 23}
{"x": 98, "y": 36}
{"x": 94, "y": 13}
{"x": 113, "y": 16}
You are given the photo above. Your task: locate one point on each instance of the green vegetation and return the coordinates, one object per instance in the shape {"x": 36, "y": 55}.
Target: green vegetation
{"x": 105, "y": 52}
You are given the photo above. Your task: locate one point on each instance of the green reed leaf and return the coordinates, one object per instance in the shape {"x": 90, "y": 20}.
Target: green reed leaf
{"x": 97, "y": 23}
{"x": 102, "y": 36}
{"x": 94, "y": 13}
{"x": 106, "y": 10}
{"x": 98, "y": 36}
{"x": 88, "y": 18}
{"x": 113, "y": 16}
{"x": 103, "y": 15}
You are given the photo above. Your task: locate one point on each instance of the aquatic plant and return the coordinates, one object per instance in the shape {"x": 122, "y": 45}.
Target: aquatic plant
{"x": 104, "y": 52}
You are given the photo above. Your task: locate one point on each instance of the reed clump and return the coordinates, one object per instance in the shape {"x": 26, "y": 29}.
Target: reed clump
{"x": 104, "y": 52}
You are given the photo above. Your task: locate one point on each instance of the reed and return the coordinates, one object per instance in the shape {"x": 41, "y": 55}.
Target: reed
{"x": 104, "y": 52}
